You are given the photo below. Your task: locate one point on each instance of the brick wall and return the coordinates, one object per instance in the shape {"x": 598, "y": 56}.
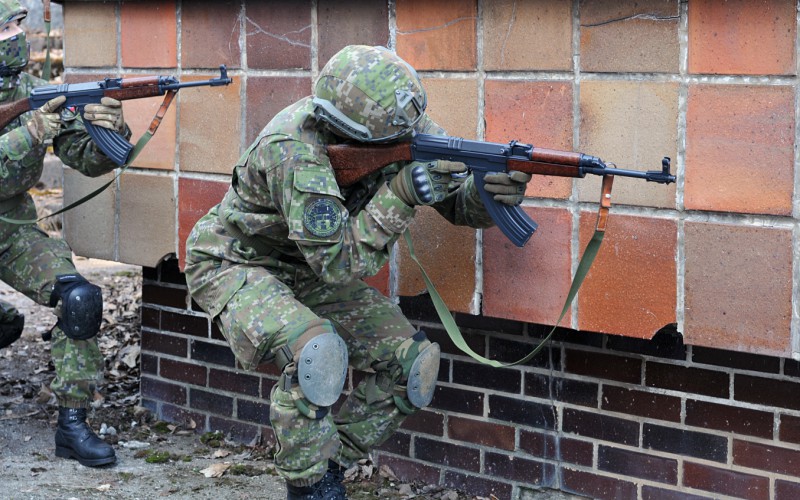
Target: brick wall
{"x": 711, "y": 262}
{"x": 596, "y": 415}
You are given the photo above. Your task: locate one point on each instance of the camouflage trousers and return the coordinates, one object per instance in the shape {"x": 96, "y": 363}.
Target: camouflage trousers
{"x": 29, "y": 263}
{"x": 265, "y": 314}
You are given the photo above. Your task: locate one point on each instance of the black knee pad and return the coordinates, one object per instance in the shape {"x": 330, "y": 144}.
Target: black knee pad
{"x": 81, "y": 306}
{"x": 11, "y": 330}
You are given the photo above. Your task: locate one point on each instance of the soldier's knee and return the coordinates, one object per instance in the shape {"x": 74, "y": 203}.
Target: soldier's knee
{"x": 315, "y": 367}
{"x": 415, "y": 381}
{"x": 81, "y": 309}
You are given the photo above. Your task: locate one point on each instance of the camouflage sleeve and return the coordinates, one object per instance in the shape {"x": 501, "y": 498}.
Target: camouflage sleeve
{"x": 337, "y": 245}
{"x": 462, "y": 206}
{"x": 76, "y": 149}
{"x": 15, "y": 145}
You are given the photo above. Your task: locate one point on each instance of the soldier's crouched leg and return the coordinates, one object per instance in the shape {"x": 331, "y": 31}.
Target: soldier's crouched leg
{"x": 399, "y": 387}
{"x": 314, "y": 368}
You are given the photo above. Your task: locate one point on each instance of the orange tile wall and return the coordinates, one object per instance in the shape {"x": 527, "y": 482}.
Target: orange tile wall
{"x": 713, "y": 85}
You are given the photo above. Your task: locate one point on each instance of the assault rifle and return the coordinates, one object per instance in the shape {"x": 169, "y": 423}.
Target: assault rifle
{"x": 80, "y": 94}
{"x": 352, "y": 162}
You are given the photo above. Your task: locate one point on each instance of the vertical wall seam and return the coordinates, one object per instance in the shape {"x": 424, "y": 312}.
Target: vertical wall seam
{"x": 480, "y": 133}
{"x": 795, "y": 322}
{"x": 680, "y": 166}
{"x": 572, "y": 203}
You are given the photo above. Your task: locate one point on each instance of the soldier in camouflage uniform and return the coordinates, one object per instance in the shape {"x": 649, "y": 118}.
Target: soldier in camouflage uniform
{"x": 278, "y": 265}
{"x": 42, "y": 267}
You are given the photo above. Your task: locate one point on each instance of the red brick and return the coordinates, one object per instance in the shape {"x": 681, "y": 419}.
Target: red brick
{"x": 631, "y": 288}
{"x": 449, "y": 455}
{"x": 210, "y": 33}
{"x": 753, "y": 265}
{"x": 685, "y": 379}
{"x": 267, "y": 96}
{"x": 206, "y": 352}
{"x": 740, "y": 135}
{"x": 726, "y": 482}
{"x": 453, "y": 273}
{"x": 532, "y": 112}
{"x": 347, "y": 22}
{"x": 165, "y": 344}
{"x": 380, "y": 281}
{"x": 596, "y": 486}
{"x": 742, "y": 37}
{"x": 641, "y": 465}
{"x": 234, "y": 382}
{"x": 398, "y": 443}
{"x": 599, "y": 426}
{"x": 278, "y": 34}
{"x": 427, "y": 422}
{"x": 578, "y": 392}
{"x": 558, "y": 447}
{"x": 684, "y": 442}
{"x": 784, "y": 490}
{"x": 766, "y": 391}
{"x": 481, "y": 432}
{"x": 211, "y": 402}
{"x": 639, "y": 37}
{"x": 602, "y": 365}
{"x": 163, "y": 391}
{"x": 409, "y": 470}
{"x": 729, "y": 418}
{"x": 790, "y": 429}
{"x": 196, "y": 326}
{"x": 178, "y": 371}
{"x": 531, "y": 472}
{"x": 641, "y": 403}
{"x": 195, "y": 199}
{"x": 163, "y": 296}
{"x": 522, "y": 412}
{"x": 536, "y": 291}
{"x": 437, "y": 35}
{"x": 150, "y": 23}
{"x": 767, "y": 457}
{"x": 250, "y": 411}
{"x": 461, "y": 401}
{"x": 653, "y": 493}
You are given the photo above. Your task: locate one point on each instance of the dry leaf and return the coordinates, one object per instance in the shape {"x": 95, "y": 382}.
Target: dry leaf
{"x": 103, "y": 487}
{"x": 215, "y": 470}
{"x": 220, "y": 454}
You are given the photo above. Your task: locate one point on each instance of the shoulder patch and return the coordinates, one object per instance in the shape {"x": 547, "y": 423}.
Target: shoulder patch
{"x": 322, "y": 217}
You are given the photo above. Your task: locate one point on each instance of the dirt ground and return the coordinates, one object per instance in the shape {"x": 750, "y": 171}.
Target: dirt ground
{"x": 154, "y": 459}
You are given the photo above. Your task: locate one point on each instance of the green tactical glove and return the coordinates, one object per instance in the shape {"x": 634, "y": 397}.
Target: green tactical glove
{"x": 425, "y": 183}
{"x": 107, "y": 114}
{"x": 45, "y": 122}
{"x": 508, "y": 188}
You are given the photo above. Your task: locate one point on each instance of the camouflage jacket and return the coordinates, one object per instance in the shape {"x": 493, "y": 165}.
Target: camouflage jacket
{"x": 284, "y": 202}
{"x": 21, "y": 162}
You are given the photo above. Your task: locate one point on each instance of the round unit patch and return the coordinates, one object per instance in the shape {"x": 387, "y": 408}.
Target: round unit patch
{"x": 322, "y": 217}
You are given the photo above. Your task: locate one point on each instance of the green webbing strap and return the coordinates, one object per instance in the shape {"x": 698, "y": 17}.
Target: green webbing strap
{"x": 46, "y": 67}
{"x": 589, "y": 254}
{"x": 140, "y": 144}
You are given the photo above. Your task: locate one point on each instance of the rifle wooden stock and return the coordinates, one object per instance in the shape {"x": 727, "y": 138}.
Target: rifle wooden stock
{"x": 351, "y": 163}
{"x": 548, "y": 162}
{"x": 8, "y": 112}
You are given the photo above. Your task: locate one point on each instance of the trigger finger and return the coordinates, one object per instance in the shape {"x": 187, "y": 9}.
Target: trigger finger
{"x": 518, "y": 176}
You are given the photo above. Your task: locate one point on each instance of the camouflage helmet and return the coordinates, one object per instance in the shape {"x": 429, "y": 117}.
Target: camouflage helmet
{"x": 369, "y": 94}
{"x": 13, "y": 51}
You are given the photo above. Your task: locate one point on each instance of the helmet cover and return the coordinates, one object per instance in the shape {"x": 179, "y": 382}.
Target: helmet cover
{"x": 369, "y": 94}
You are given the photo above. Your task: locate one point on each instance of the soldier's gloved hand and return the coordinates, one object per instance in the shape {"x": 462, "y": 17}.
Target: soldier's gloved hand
{"x": 107, "y": 114}
{"x": 45, "y": 122}
{"x": 508, "y": 188}
{"x": 425, "y": 183}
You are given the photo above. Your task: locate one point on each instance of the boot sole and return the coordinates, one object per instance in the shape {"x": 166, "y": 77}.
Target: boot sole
{"x": 62, "y": 452}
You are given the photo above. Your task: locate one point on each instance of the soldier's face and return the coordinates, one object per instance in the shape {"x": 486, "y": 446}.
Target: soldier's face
{"x": 10, "y": 29}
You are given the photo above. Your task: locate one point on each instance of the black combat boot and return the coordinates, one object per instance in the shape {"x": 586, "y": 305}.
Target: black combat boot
{"x": 330, "y": 487}
{"x": 74, "y": 439}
